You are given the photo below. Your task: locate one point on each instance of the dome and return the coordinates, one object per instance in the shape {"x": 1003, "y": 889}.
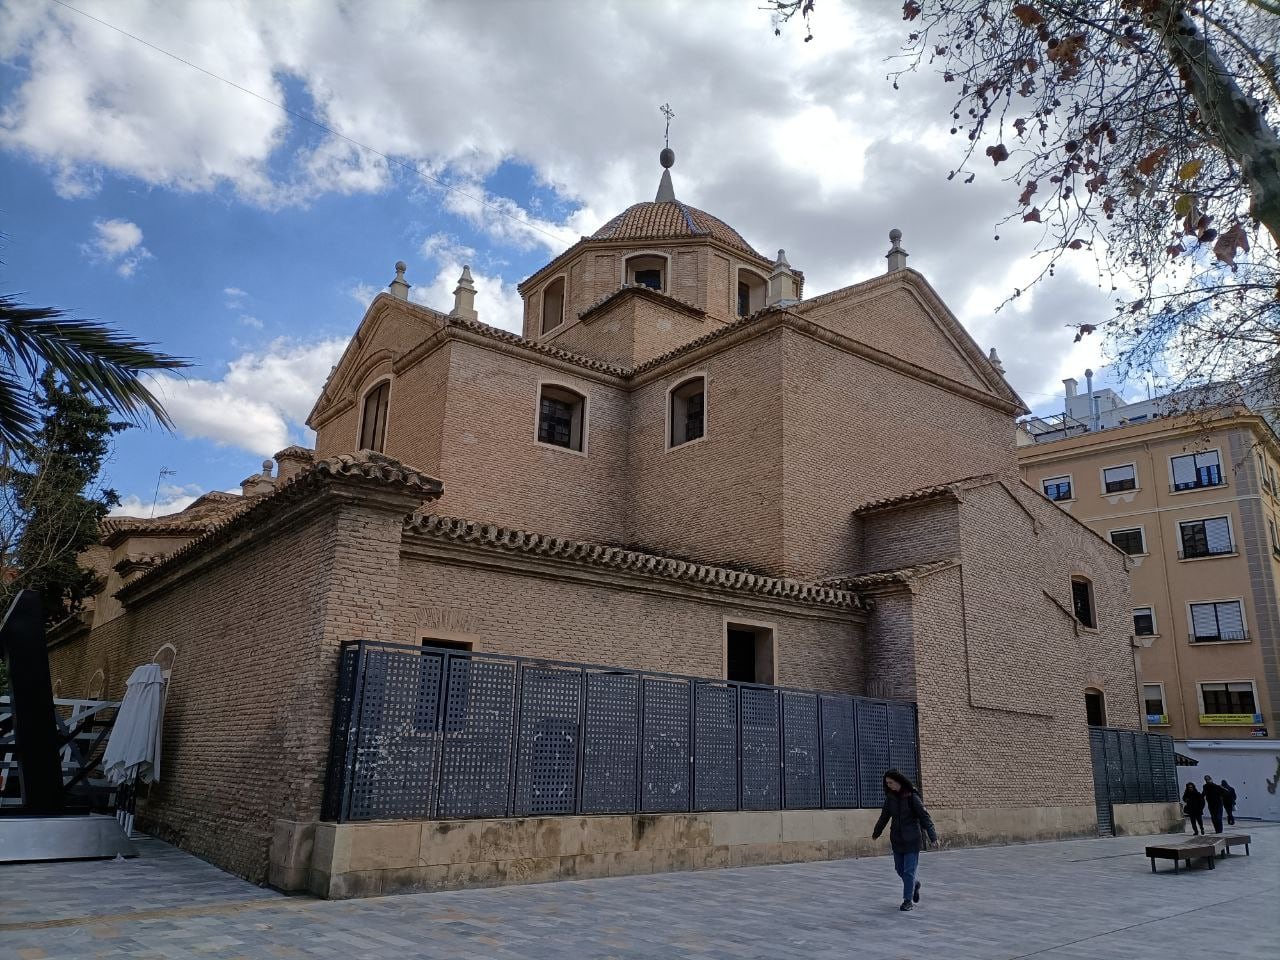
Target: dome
{"x": 670, "y": 220}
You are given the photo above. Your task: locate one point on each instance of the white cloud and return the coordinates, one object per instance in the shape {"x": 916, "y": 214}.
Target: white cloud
{"x": 446, "y": 247}
{"x": 260, "y": 403}
{"x": 234, "y": 293}
{"x": 166, "y": 499}
{"x": 363, "y": 293}
{"x": 118, "y": 243}
{"x": 250, "y": 321}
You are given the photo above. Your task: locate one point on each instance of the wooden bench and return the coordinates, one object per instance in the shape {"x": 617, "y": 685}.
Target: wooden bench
{"x": 1198, "y": 848}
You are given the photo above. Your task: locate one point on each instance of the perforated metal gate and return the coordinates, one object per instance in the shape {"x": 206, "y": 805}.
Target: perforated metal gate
{"x": 1130, "y": 767}
{"x": 429, "y": 733}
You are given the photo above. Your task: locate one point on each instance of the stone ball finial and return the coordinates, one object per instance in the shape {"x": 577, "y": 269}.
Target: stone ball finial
{"x": 667, "y": 157}
{"x": 266, "y": 467}
{"x": 401, "y": 267}
{"x": 895, "y": 235}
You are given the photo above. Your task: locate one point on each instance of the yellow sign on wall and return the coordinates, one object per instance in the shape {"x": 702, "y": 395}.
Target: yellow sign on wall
{"x": 1229, "y": 719}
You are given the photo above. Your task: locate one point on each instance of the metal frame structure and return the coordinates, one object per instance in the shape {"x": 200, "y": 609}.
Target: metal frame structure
{"x": 437, "y": 733}
{"x": 1130, "y": 766}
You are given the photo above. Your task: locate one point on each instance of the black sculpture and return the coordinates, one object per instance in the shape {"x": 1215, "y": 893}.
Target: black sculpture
{"x": 35, "y": 725}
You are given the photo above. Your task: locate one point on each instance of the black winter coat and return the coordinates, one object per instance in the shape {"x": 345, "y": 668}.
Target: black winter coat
{"x": 909, "y": 818}
{"x": 1193, "y": 804}
{"x": 1213, "y": 795}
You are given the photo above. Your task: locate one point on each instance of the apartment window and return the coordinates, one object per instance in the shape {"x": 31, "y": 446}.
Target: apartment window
{"x": 1205, "y": 538}
{"x": 1262, "y": 472}
{"x": 1153, "y": 703}
{"x": 560, "y": 416}
{"x": 1095, "y": 708}
{"x": 1217, "y": 621}
{"x": 1057, "y": 488}
{"x": 1197, "y": 470}
{"x": 1144, "y": 622}
{"x": 373, "y": 419}
{"x": 748, "y": 653}
{"x": 1275, "y": 536}
{"x": 1082, "y": 601}
{"x": 1117, "y": 479}
{"x": 688, "y": 410}
{"x": 647, "y": 271}
{"x": 1130, "y": 541}
{"x": 1229, "y": 698}
{"x": 553, "y": 304}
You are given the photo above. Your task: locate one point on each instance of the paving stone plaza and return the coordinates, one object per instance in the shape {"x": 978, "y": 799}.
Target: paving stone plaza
{"x": 1069, "y": 899}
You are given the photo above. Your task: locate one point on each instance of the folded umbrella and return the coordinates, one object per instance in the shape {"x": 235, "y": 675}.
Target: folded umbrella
{"x": 133, "y": 751}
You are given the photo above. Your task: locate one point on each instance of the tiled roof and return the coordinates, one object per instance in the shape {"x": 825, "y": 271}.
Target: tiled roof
{"x": 205, "y": 513}
{"x": 506, "y": 336}
{"x": 670, "y": 219}
{"x": 942, "y": 491}
{"x": 901, "y": 575}
{"x": 616, "y": 558}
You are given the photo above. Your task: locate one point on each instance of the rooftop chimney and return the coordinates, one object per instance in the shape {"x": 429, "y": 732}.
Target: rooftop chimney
{"x": 464, "y": 297}
{"x": 399, "y": 287}
{"x": 1071, "y": 385}
{"x": 896, "y": 256}
{"x": 782, "y": 282}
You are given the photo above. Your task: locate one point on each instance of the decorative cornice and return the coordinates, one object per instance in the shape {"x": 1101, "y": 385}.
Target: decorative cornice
{"x": 365, "y": 468}
{"x": 643, "y": 292}
{"x": 902, "y": 575}
{"x": 489, "y": 536}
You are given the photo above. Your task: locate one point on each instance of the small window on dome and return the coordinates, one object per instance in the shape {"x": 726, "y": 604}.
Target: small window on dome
{"x": 553, "y": 304}
{"x": 648, "y": 271}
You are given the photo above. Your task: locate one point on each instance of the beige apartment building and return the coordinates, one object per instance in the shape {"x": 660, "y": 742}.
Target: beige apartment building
{"x": 1195, "y": 503}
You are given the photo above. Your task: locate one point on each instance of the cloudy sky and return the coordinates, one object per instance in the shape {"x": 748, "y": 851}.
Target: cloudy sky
{"x": 242, "y": 207}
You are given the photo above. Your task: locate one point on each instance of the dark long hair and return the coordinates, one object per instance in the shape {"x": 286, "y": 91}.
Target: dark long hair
{"x": 1191, "y": 788}
{"x": 901, "y": 780}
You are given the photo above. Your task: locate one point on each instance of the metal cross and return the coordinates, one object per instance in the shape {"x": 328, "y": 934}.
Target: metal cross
{"x": 669, "y": 114}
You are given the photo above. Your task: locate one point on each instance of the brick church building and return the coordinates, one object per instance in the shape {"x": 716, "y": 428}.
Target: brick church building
{"x": 681, "y": 464}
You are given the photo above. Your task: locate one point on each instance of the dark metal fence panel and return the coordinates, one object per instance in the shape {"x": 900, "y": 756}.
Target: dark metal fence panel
{"x": 664, "y": 784}
{"x": 611, "y": 743}
{"x": 1130, "y": 766}
{"x": 903, "y": 754}
{"x": 547, "y": 763}
{"x": 429, "y": 732}
{"x": 802, "y": 746}
{"x": 839, "y": 752}
{"x": 873, "y": 751}
{"x": 475, "y": 770}
{"x": 761, "y": 767}
{"x": 715, "y": 760}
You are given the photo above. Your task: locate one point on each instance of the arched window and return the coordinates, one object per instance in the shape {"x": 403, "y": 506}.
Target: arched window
{"x": 1082, "y": 601}
{"x": 1095, "y": 707}
{"x": 97, "y": 685}
{"x": 648, "y": 270}
{"x": 687, "y": 406}
{"x": 561, "y": 417}
{"x": 553, "y": 304}
{"x": 752, "y": 291}
{"x": 373, "y": 419}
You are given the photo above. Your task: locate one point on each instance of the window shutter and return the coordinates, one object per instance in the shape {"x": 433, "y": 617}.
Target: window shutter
{"x": 1231, "y": 620}
{"x": 1204, "y": 620}
{"x": 1184, "y": 470}
{"x": 1218, "y": 535}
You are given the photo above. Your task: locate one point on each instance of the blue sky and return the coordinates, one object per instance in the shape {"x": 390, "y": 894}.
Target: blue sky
{"x": 142, "y": 192}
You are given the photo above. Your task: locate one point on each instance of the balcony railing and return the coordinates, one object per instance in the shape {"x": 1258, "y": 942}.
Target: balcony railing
{"x": 1221, "y": 636}
{"x": 1222, "y": 550}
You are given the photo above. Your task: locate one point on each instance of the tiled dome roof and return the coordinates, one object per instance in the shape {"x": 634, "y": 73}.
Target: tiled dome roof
{"x": 670, "y": 219}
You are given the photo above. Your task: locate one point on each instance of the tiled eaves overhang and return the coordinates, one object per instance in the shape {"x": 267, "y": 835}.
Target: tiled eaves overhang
{"x": 882, "y": 578}
{"x": 639, "y": 291}
{"x": 370, "y": 470}
{"x": 489, "y": 537}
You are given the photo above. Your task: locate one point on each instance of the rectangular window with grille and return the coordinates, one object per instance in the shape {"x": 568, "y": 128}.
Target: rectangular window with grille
{"x": 1057, "y": 488}
{"x": 1130, "y": 541}
{"x": 1234, "y": 697}
{"x": 1117, "y": 479}
{"x": 1144, "y": 622}
{"x": 1205, "y": 538}
{"x": 693, "y": 416}
{"x": 555, "y": 422}
{"x": 1217, "y": 621}
{"x": 1195, "y": 470}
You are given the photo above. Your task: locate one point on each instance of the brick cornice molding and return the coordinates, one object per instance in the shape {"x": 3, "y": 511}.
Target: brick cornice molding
{"x": 503, "y": 540}
{"x": 369, "y": 480}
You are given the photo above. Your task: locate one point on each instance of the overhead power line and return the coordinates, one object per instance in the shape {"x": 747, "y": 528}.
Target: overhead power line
{"x": 448, "y": 188}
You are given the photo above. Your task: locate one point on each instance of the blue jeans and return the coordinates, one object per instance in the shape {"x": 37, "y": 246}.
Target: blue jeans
{"x": 905, "y": 864}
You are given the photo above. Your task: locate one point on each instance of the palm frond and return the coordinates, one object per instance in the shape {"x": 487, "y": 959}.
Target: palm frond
{"x": 102, "y": 362}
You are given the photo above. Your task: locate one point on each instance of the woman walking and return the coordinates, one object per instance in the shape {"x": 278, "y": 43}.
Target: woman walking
{"x": 1193, "y": 807}
{"x": 910, "y": 821}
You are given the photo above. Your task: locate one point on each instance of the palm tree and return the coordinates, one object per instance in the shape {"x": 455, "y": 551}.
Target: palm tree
{"x": 103, "y": 362}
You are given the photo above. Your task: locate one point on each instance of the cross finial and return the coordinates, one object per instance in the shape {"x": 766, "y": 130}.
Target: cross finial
{"x": 670, "y": 115}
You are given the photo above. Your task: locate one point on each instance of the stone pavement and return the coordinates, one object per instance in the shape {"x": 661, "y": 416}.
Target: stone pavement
{"x": 1071, "y": 899}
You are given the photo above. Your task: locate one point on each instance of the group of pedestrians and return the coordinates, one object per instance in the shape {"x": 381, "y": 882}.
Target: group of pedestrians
{"x": 1220, "y": 798}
